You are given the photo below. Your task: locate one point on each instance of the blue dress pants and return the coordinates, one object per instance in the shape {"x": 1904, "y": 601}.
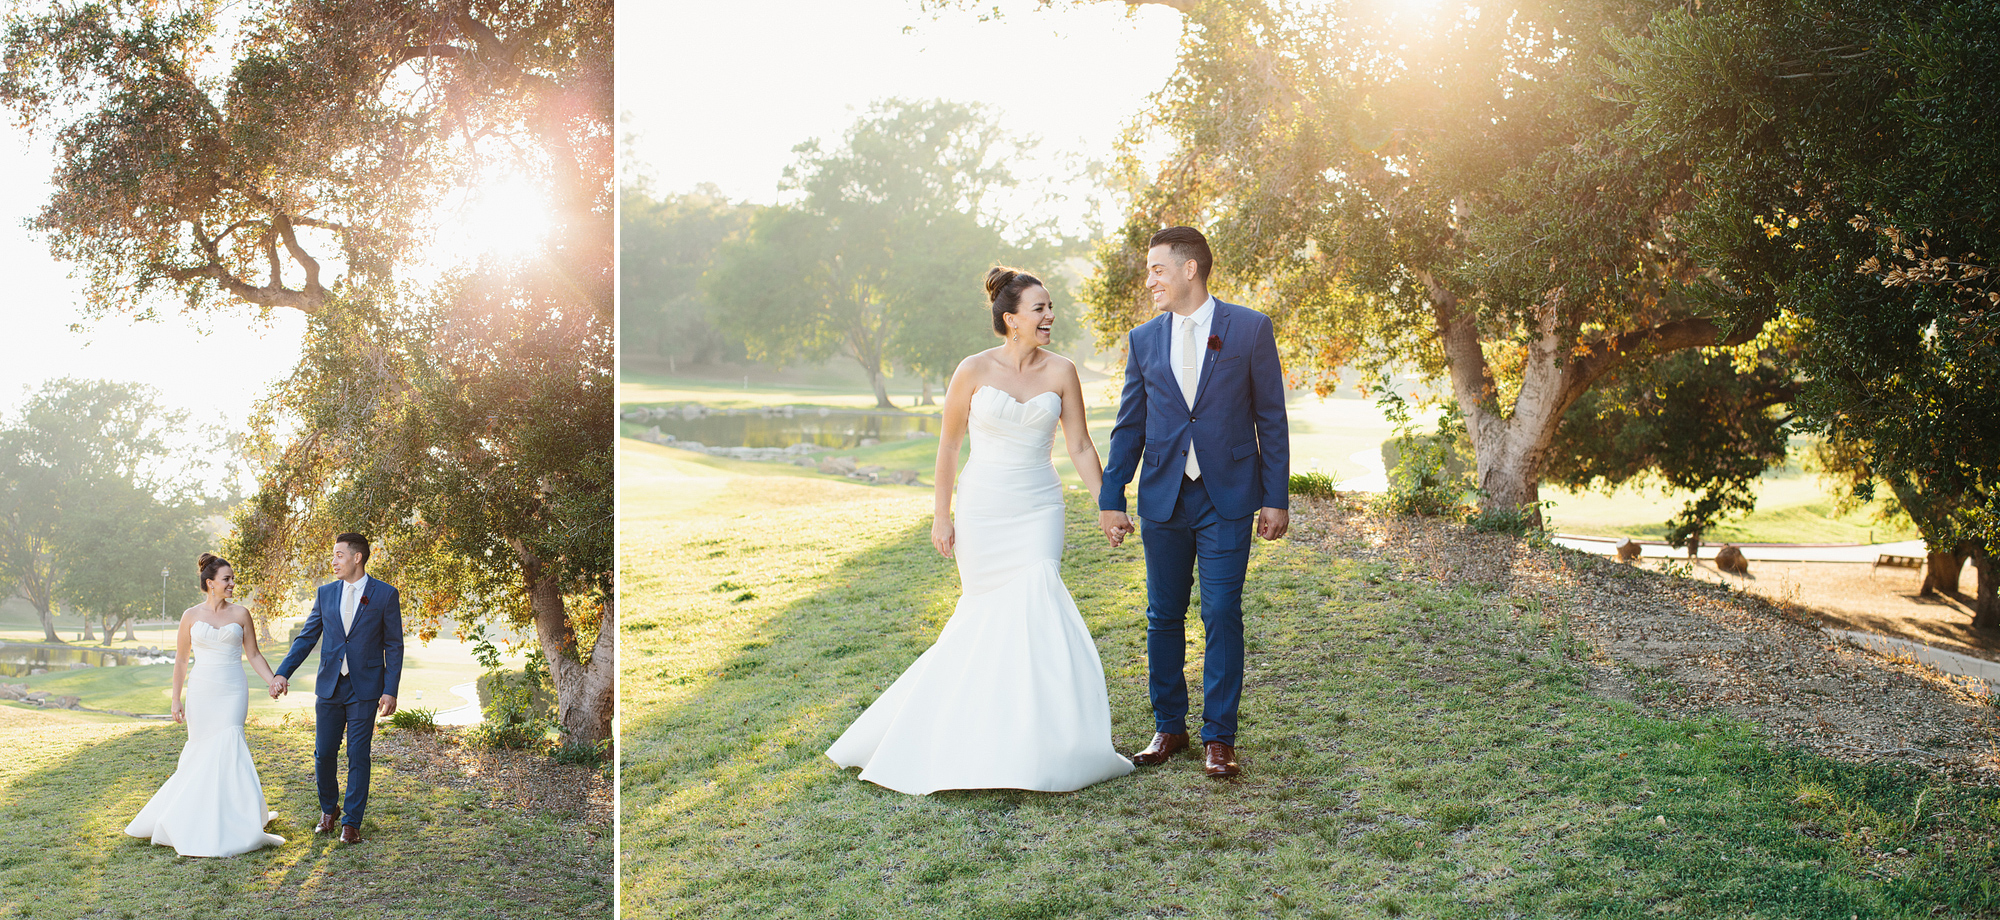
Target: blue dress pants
{"x": 356, "y": 719}
{"x": 1196, "y": 533}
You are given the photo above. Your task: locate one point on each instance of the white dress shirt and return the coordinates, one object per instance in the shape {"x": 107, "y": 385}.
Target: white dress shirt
{"x": 350, "y": 601}
{"x": 1177, "y": 353}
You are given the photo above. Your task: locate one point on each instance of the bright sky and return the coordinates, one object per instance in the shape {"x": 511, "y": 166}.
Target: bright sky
{"x": 218, "y": 376}
{"x": 722, "y": 92}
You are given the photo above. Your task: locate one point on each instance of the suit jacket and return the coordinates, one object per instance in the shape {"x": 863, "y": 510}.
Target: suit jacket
{"x": 1237, "y": 423}
{"x": 374, "y": 647}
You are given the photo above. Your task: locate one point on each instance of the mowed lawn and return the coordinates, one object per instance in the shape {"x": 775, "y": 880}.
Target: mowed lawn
{"x": 69, "y": 785}
{"x": 1409, "y": 749}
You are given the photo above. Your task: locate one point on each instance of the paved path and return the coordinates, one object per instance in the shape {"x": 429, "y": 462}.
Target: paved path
{"x": 1764, "y": 552}
{"x": 465, "y": 714}
{"x": 1980, "y": 675}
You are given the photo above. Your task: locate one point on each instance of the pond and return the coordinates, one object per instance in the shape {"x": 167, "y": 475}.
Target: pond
{"x": 23, "y": 660}
{"x": 783, "y": 426}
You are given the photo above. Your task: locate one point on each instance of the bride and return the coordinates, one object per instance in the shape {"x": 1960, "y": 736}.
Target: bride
{"x": 213, "y": 805}
{"x": 1012, "y": 694}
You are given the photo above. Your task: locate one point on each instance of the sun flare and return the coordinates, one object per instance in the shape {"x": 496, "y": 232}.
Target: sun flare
{"x": 507, "y": 217}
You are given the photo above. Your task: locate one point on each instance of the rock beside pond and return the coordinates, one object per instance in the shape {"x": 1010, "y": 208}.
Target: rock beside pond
{"x": 839, "y": 466}
{"x": 69, "y": 702}
{"x": 13, "y": 691}
{"x": 35, "y": 696}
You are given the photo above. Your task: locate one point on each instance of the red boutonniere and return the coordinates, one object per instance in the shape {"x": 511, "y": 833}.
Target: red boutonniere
{"x": 364, "y": 600}
{"x": 1215, "y": 343}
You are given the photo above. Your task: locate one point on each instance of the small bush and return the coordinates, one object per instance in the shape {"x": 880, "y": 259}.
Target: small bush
{"x": 1427, "y": 472}
{"x": 1523, "y": 521}
{"x": 596, "y": 756}
{"x": 415, "y": 720}
{"x": 508, "y": 718}
{"x": 1314, "y": 484}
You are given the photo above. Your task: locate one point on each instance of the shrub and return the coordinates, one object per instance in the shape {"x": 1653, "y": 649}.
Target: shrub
{"x": 508, "y": 718}
{"x": 415, "y": 720}
{"x": 1427, "y": 475}
{"x": 582, "y": 754}
{"x": 1524, "y": 521}
{"x": 1313, "y": 485}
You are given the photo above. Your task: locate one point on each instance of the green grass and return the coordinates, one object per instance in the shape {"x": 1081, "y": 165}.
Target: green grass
{"x": 1325, "y": 436}
{"x": 1791, "y": 508}
{"x": 68, "y": 787}
{"x": 433, "y": 668}
{"x": 1409, "y": 750}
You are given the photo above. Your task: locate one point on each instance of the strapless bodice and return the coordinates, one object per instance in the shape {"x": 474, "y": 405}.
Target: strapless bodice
{"x": 1007, "y": 432}
{"x": 217, "y": 645}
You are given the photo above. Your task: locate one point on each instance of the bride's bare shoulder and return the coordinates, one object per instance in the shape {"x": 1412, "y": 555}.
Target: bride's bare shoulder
{"x": 975, "y": 367}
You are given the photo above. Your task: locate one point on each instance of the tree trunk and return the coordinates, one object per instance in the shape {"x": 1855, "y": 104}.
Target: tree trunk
{"x": 1986, "y": 604}
{"x": 585, "y": 692}
{"x": 1506, "y": 449}
{"x": 1942, "y": 572}
{"x": 927, "y": 400}
{"x": 131, "y": 636}
{"x": 881, "y": 388}
{"x": 48, "y": 624}
{"x": 87, "y": 636}
{"x": 1557, "y": 370}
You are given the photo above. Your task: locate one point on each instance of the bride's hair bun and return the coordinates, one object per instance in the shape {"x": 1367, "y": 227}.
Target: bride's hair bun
{"x": 996, "y": 281}
{"x": 209, "y": 564}
{"x": 1003, "y": 288}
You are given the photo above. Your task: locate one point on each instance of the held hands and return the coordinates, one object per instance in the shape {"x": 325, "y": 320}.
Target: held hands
{"x": 279, "y": 686}
{"x": 1273, "y": 522}
{"x": 387, "y": 707}
{"x": 1115, "y": 524}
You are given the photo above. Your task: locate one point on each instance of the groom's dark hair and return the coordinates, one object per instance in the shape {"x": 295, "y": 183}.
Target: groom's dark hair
{"x": 1186, "y": 243}
{"x": 359, "y": 542}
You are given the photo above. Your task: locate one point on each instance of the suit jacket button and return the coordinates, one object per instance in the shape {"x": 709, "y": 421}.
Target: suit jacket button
{"x": 1193, "y": 419}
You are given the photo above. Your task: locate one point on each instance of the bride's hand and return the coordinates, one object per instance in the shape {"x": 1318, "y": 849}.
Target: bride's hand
{"x": 179, "y": 713}
{"x": 942, "y": 536}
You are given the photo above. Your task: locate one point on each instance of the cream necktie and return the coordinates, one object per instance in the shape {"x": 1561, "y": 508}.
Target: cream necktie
{"x": 1189, "y": 373}
{"x": 349, "y": 601}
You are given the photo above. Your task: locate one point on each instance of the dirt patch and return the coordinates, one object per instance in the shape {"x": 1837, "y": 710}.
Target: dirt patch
{"x": 1682, "y": 645}
{"x": 521, "y": 780}
{"x": 1860, "y": 597}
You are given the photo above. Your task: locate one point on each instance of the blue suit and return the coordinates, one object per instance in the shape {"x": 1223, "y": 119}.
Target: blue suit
{"x": 347, "y": 702}
{"x": 1238, "y": 428}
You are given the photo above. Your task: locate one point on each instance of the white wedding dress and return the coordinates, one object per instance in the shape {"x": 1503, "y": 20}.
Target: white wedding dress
{"x": 1012, "y": 694}
{"x": 213, "y": 805}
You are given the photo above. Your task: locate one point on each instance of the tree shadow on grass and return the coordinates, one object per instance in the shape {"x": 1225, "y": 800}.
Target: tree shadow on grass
{"x": 728, "y": 798}
{"x": 427, "y": 850}
{"x": 1405, "y": 744}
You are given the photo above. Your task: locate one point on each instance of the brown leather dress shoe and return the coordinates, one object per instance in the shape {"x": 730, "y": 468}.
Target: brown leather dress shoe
{"x": 327, "y": 823}
{"x": 1164, "y": 746}
{"x": 350, "y": 834}
{"x": 1219, "y": 760}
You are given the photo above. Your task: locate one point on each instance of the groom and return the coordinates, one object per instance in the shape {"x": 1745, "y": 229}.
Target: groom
{"x": 1204, "y": 411}
{"x": 358, "y": 673}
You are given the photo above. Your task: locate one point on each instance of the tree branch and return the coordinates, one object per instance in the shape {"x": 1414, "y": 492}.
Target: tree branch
{"x": 1600, "y": 357}
{"x": 299, "y": 255}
